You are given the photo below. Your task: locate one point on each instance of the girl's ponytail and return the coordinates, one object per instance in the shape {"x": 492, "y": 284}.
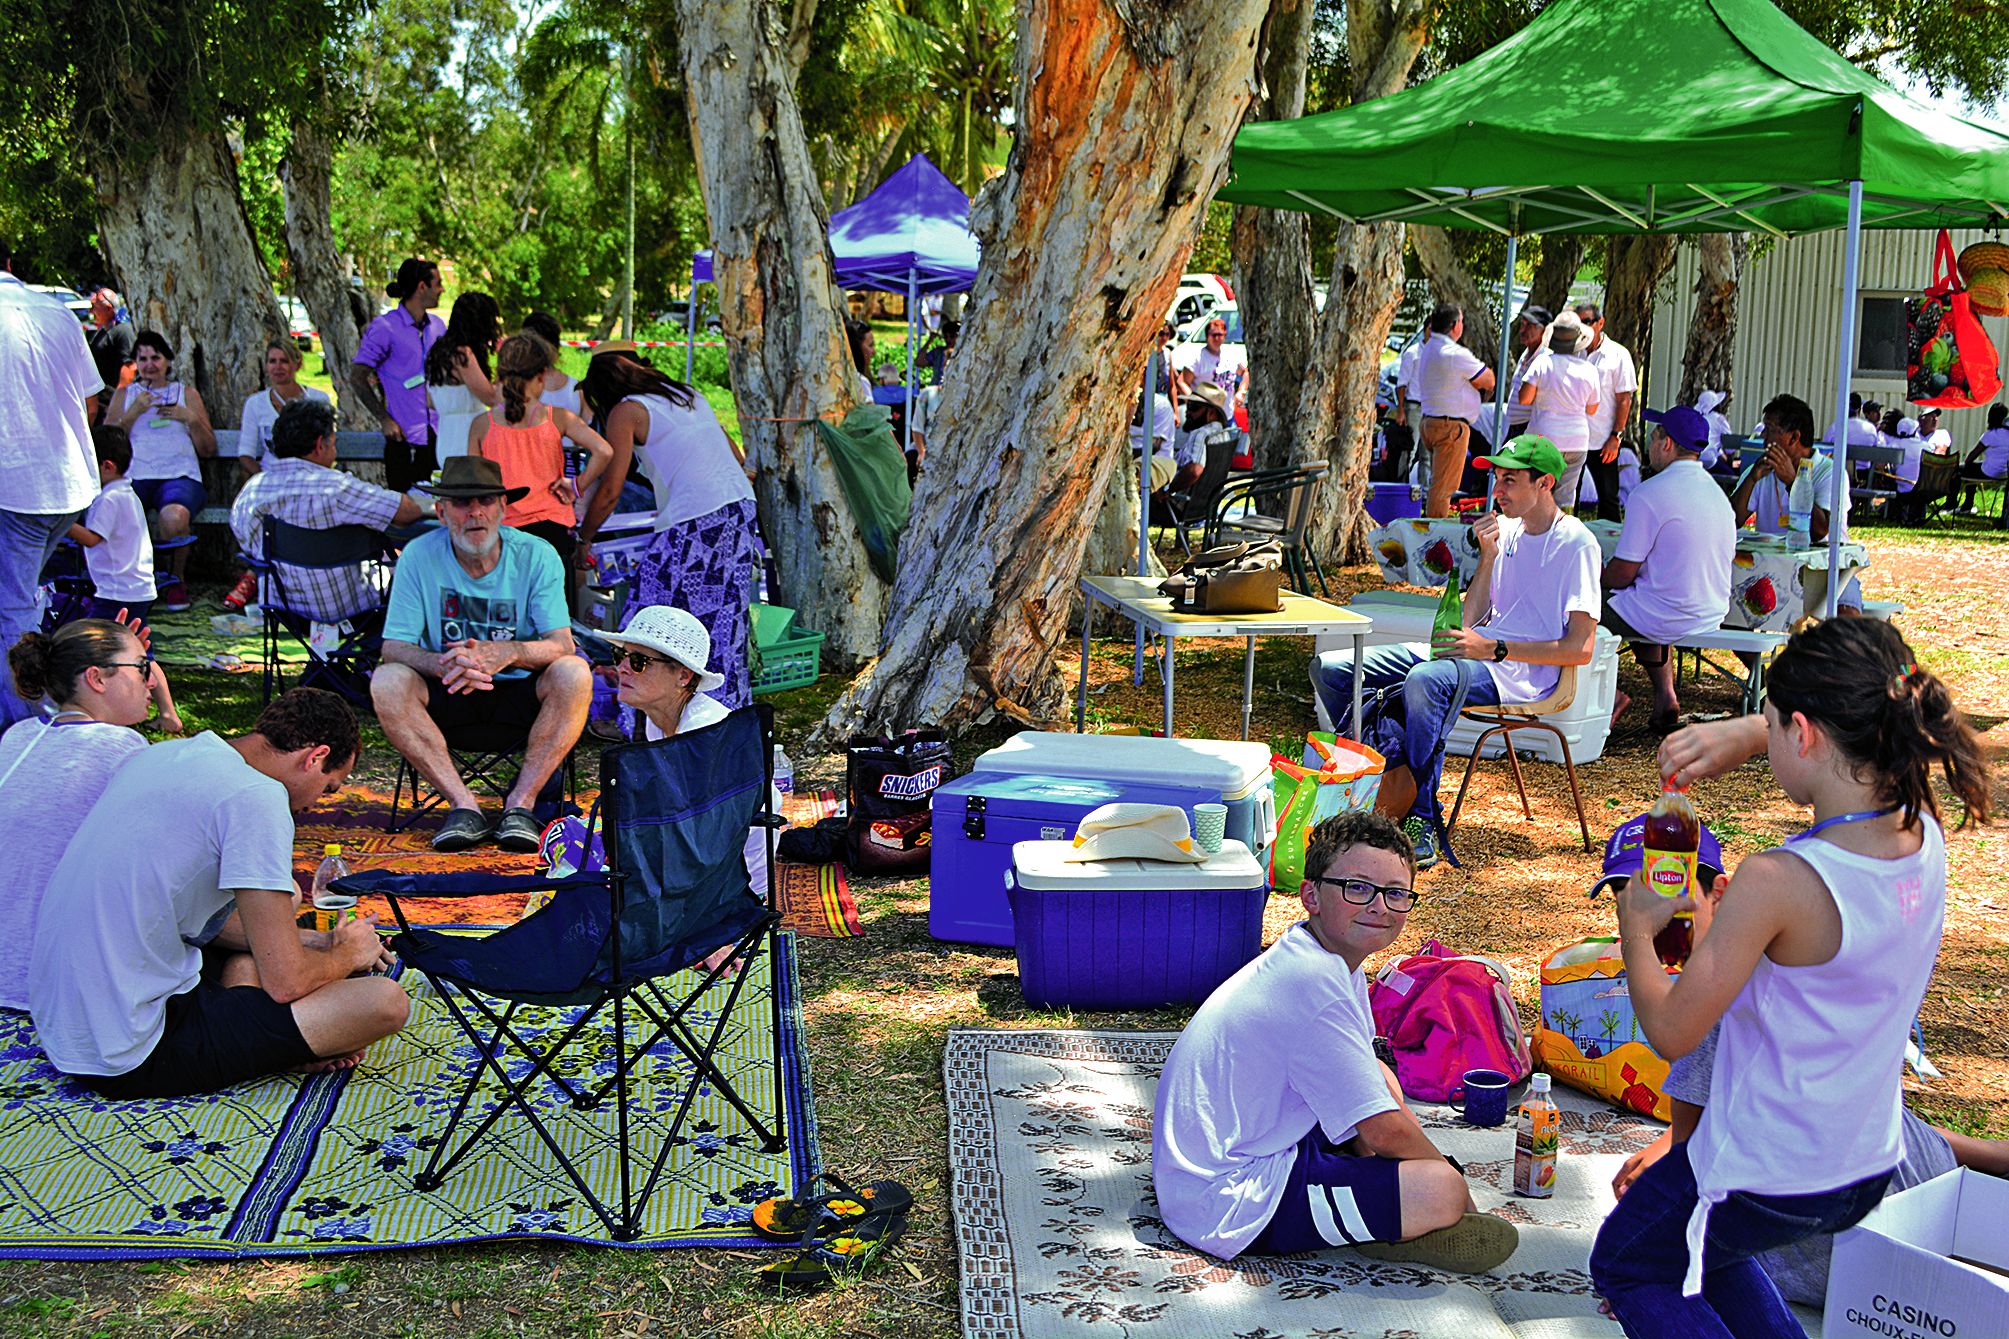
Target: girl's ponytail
{"x": 523, "y": 357}
{"x": 1893, "y": 718}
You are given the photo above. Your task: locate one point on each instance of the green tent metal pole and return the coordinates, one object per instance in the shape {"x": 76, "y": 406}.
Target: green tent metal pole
{"x": 1506, "y": 346}
{"x": 1844, "y": 365}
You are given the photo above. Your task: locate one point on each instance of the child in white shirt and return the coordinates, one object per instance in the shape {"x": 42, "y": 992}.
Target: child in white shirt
{"x": 118, "y": 551}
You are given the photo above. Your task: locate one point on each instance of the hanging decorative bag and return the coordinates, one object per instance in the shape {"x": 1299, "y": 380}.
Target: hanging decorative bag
{"x": 1231, "y": 579}
{"x": 1950, "y": 362}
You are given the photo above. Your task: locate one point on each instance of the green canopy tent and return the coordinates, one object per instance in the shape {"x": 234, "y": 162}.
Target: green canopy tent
{"x": 1618, "y": 116}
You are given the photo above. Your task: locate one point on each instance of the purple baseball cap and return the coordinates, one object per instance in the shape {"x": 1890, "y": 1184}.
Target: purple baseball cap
{"x": 1624, "y": 855}
{"x": 1686, "y": 426}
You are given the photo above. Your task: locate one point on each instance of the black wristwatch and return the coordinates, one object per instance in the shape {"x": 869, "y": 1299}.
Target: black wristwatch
{"x": 1499, "y": 652}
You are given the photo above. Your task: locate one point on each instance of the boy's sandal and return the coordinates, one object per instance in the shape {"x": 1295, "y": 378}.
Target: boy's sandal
{"x": 784, "y": 1219}
{"x": 847, "y": 1251}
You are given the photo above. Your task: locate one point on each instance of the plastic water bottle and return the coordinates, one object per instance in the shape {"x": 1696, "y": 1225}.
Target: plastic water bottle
{"x": 784, "y": 772}
{"x": 331, "y": 908}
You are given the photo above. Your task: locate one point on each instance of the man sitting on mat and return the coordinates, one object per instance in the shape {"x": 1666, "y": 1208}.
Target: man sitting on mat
{"x": 1277, "y": 1129}
{"x": 478, "y": 634}
{"x": 166, "y": 960}
{"x": 1669, "y": 576}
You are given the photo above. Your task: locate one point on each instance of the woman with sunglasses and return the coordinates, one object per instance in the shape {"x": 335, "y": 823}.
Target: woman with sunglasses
{"x": 102, "y": 679}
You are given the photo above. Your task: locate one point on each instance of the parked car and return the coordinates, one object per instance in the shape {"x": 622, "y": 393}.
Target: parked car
{"x": 298, "y": 323}
{"x": 79, "y": 305}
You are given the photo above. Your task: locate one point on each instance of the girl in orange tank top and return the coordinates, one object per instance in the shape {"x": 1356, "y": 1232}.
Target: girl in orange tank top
{"x": 526, "y": 440}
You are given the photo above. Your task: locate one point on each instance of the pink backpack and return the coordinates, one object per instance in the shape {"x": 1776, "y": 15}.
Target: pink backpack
{"x": 1445, "y": 1013}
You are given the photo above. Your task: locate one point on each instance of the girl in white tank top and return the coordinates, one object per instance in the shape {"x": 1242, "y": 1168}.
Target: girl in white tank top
{"x": 1816, "y": 968}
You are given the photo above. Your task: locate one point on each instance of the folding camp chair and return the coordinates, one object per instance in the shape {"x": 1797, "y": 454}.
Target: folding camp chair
{"x": 1190, "y": 510}
{"x": 672, "y": 819}
{"x": 488, "y": 757}
{"x": 345, "y": 667}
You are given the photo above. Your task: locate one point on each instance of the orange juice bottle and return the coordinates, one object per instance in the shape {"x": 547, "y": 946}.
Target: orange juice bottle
{"x": 1537, "y": 1141}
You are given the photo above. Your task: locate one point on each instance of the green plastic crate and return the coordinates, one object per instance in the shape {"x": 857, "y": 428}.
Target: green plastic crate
{"x": 794, "y": 663}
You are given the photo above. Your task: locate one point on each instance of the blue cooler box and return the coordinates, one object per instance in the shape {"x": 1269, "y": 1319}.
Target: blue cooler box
{"x": 978, "y": 818}
{"x": 1391, "y": 502}
{"x": 1132, "y": 934}
{"x": 1236, "y": 773}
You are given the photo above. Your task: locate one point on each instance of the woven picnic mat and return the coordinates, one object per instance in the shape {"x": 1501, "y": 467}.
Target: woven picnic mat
{"x": 816, "y": 900}
{"x": 293, "y": 1164}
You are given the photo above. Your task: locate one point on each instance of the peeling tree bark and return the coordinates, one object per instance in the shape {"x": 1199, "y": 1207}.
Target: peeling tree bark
{"x": 1562, "y": 257}
{"x": 1272, "y": 251}
{"x": 1334, "y": 417}
{"x": 1452, "y": 282}
{"x": 1712, "y": 330}
{"x": 782, "y": 315}
{"x": 1633, "y": 270}
{"x": 319, "y": 276}
{"x": 1124, "y": 116}
{"x": 174, "y": 227}
{"x": 1112, "y": 547}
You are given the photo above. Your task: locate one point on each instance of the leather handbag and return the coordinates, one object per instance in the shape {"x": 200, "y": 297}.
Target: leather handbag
{"x": 1232, "y": 579}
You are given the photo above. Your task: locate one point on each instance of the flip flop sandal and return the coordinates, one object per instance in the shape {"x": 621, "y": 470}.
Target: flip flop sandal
{"x": 848, "y": 1251}
{"x": 783, "y": 1219}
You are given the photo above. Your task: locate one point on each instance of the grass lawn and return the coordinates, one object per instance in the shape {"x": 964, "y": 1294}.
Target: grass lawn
{"x": 878, "y": 1007}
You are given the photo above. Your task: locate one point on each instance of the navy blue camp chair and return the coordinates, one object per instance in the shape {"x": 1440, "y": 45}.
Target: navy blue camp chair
{"x": 344, "y": 668}
{"x": 672, "y": 816}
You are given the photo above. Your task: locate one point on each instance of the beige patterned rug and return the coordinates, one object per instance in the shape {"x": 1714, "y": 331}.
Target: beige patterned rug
{"x": 1059, "y": 1236}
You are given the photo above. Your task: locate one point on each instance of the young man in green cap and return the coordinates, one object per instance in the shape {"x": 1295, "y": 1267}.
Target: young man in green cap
{"x": 1532, "y": 608}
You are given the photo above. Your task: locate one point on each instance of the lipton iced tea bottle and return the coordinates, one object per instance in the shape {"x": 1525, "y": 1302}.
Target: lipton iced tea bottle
{"x": 1672, "y": 837}
{"x": 1537, "y": 1141}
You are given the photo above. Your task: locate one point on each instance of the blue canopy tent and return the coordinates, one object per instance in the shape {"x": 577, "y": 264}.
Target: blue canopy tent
{"x": 910, "y": 235}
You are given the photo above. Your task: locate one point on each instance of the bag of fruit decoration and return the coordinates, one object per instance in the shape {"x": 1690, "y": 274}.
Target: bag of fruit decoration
{"x": 1951, "y": 360}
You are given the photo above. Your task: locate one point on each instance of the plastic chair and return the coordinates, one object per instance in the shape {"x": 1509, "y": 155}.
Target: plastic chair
{"x": 1508, "y": 717}
{"x": 344, "y": 668}
{"x": 672, "y": 819}
{"x": 1288, "y": 492}
{"x": 1193, "y": 508}
{"x": 1938, "y": 480}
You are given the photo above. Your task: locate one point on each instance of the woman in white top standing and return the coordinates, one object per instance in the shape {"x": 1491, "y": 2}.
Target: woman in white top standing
{"x": 53, "y": 768}
{"x": 171, "y": 436}
{"x": 1815, "y": 969}
{"x": 1563, "y": 388}
{"x": 261, "y": 408}
{"x": 707, "y": 543}
{"x": 457, "y": 376}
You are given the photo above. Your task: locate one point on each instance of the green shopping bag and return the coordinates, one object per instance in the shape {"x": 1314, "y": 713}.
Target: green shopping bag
{"x": 1336, "y": 775}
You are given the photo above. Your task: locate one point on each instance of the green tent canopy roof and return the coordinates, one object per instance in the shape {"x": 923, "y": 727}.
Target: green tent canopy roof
{"x": 1636, "y": 115}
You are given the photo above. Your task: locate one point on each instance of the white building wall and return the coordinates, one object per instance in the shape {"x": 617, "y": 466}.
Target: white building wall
{"x": 1789, "y": 322}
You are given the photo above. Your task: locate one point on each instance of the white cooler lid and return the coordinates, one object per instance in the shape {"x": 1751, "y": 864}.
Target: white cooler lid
{"x": 1234, "y": 767}
{"x": 1044, "y": 865}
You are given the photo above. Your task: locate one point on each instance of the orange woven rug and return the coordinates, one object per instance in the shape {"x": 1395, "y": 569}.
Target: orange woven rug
{"x": 815, "y": 899}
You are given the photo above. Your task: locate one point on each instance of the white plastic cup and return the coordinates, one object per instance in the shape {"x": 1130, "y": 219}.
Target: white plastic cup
{"x": 1210, "y": 826}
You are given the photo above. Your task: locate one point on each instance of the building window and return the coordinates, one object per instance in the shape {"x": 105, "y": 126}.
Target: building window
{"x": 1880, "y": 336}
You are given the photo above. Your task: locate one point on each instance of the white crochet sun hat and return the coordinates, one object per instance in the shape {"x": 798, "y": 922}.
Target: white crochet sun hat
{"x": 1135, "y": 832}
{"x": 673, "y": 632}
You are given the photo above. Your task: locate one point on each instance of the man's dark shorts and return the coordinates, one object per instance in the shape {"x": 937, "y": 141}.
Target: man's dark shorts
{"x": 511, "y": 704}
{"x": 214, "y": 1037}
{"x": 1333, "y": 1198}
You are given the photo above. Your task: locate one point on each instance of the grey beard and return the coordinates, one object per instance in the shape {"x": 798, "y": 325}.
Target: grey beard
{"x": 479, "y": 551}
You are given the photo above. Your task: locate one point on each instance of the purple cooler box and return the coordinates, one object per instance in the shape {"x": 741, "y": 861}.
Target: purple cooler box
{"x": 1132, "y": 934}
{"x": 979, "y": 818}
{"x": 1391, "y": 502}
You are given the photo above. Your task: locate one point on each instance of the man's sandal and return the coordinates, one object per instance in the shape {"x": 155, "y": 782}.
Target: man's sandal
{"x": 783, "y": 1219}
{"x": 846, "y": 1251}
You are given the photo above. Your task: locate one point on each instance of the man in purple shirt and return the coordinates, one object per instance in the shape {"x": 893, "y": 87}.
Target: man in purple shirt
{"x": 389, "y": 376}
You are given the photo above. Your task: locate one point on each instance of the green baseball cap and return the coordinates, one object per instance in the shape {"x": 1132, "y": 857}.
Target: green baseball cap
{"x": 1529, "y": 451}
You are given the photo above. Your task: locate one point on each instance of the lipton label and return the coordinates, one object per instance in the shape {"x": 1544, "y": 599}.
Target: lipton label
{"x": 1669, "y": 873}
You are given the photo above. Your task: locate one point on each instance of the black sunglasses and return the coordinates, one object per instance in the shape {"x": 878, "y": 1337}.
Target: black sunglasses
{"x": 1359, "y": 892}
{"x": 639, "y": 661}
{"x": 145, "y": 667}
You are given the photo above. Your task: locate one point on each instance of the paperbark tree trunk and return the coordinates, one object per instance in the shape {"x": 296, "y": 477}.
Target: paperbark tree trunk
{"x": 1634, "y": 268}
{"x": 1562, "y": 257}
{"x": 1272, "y": 252}
{"x": 319, "y": 276}
{"x": 174, "y": 227}
{"x": 1712, "y": 330}
{"x": 1124, "y": 115}
{"x": 1334, "y": 417}
{"x": 1112, "y": 548}
{"x": 782, "y": 315}
{"x": 1450, "y": 281}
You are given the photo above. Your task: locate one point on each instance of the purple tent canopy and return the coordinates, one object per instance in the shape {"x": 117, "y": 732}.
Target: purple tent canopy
{"x": 913, "y": 231}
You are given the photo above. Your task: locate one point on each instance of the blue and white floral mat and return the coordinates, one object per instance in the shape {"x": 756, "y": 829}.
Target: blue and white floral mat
{"x": 1059, "y": 1236}
{"x": 296, "y": 1165}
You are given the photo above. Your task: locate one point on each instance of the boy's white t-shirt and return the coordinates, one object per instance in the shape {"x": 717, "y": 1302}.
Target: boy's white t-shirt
{"x": 1538, "y": 582}
{"x": 121, "y": 567}
{"x": 1679, "y": 527}
{"x": 145, "y": 882}
{"x": 1284, "y": 1044}
{"x": 254, "y": 432}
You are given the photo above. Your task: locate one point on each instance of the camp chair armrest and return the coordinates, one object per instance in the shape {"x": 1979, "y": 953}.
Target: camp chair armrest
{"x": 767, "y": 820}
{"x": 393, "y": 885}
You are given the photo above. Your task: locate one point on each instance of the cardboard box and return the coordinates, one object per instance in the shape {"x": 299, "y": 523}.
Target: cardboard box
{"x": 1902, "y": 1273}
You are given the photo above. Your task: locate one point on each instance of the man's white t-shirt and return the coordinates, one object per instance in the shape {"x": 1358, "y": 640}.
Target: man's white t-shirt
{"x": 1939, "y": 441}
{"x": 1616, "y": 376}
{"x": 1773, "y": 506}
{"x": 1445, "y": 370}
{"x": 143, "y": 884}
{"x": 1163, "y": 426}
{"x": 1408, "y": 367}
{"x": 1538, "y": 582}
{"x": 1284, "y": 1044}
{"x": 1680, "y": 529}
{"x": 254, "y": 432}
{"x": 1525, "y": 365}
{"x": 1567, "y": 388}
{"x": 1227, "y": 369}
{"x": 121, "y": 567}
{"x": 1861, "y": 432}
{"x": 47, "y": 466}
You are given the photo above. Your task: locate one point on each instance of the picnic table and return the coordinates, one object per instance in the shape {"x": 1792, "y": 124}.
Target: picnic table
{"x": 1137, "y": 599}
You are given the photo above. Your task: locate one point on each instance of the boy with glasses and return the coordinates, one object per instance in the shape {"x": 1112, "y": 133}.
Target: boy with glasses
{"x": 1276, "y": 1129}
